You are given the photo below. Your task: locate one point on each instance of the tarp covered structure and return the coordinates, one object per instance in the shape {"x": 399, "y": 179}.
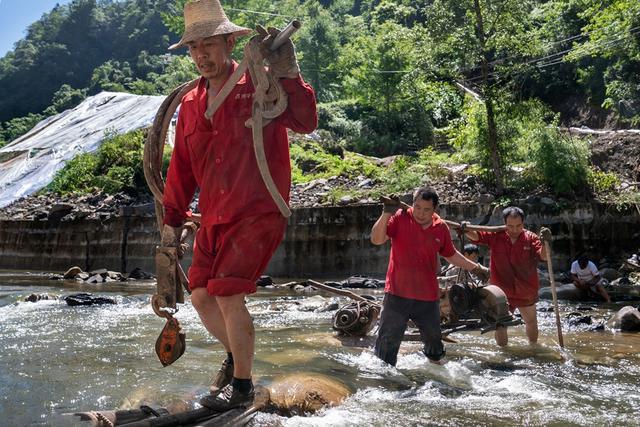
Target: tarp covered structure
{"x": 30, "y": 162}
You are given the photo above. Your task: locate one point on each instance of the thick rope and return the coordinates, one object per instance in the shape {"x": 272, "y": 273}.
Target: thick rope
{"x": 270, "y": 100}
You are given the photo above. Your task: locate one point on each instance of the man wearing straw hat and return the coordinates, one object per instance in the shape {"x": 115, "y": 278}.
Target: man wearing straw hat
{"x": 241, "y": 225}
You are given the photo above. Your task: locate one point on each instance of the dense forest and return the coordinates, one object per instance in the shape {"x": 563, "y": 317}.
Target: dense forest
{"x": 392, "y": 77}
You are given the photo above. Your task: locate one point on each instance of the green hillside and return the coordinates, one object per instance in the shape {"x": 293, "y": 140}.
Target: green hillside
{"x": 485, "y": 78}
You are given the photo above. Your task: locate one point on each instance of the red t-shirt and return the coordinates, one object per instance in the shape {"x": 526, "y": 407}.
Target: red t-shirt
{"x": 217, "y": 155}
{"x": 413, "y": 263}
{"x": 514, "y": 265}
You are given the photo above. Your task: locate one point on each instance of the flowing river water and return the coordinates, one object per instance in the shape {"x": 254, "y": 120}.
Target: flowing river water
{"x": 56, "y": 359}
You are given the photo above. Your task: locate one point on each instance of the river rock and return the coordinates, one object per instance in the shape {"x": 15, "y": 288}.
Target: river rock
{"x": 317, "y": 304}
{"x": 578, "y": 319}
{"x": 58, "y": 211}
{"x": 565, "y": 292}
{"x": 264, "y": 281}
{"x": 306, "y": 393}
{"x": 96, "y": 278}
{"x": 87, "y": 299}
{"x": 610, "y": 274}
{"x": 627, "y": 319}
{"x": 72, "y": 272}
{"x": 40, "y": 297}
{"x": 137, "y": 273}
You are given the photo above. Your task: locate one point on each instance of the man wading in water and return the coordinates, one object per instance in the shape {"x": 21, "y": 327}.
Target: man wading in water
{"x": 241, "y": 224}
{"x": 515, "y": 253}
{"x": 411, "y": 289}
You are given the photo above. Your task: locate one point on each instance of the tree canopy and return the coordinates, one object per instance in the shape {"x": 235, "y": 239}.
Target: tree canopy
{"x": 391, "y": 76}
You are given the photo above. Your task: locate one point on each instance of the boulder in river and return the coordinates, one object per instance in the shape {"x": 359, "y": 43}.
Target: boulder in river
{"x": 627, "y": 319}
{"x": 39, "y": 297}
{"x": 565, "y": 292}
{"x": 72, "y": 272}
{"x": 87, "y": 299}
{"x": 305, "y": 393}
{"x": 138, "y": 274}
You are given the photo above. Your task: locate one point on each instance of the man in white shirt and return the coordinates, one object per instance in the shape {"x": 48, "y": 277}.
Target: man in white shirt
{"x": 585, "y": 276}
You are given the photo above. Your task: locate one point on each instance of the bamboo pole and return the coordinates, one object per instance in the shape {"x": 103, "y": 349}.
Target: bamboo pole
{"x": 456, "y": 225}
{"x": 547, "y": 248}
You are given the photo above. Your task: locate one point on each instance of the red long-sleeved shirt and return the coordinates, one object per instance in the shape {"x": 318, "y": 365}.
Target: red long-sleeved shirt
{"x": 217, "y": 155}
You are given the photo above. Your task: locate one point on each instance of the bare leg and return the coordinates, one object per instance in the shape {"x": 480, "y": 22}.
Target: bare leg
{"x": 603, "y": 293}
{"x": 530, "y": 317}
{"x": 501, "y": 336}
{"x": 240, "y": 331}
{"x": 580, "y": 285}
{"x": 210, "y": 314}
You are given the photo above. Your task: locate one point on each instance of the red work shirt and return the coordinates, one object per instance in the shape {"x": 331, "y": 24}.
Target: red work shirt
{"x": 217, "y": 155}
{"x": 514, "y": 265}
{"x": 413, "y": 263}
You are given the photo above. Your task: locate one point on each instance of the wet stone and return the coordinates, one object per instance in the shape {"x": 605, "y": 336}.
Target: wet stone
{"x": 72, "y": 272}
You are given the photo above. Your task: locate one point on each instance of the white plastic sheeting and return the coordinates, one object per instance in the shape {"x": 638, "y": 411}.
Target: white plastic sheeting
{"x": 30, "y": 162}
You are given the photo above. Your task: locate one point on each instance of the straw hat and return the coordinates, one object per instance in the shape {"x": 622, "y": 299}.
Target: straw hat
{"x": 205, "y": 18}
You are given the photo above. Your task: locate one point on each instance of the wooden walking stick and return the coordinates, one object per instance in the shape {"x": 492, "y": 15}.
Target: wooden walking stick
{"x": 547, "y": 247}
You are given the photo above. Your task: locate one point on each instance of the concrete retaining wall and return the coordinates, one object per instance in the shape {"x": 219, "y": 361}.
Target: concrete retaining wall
{"x": 320, "y": 242}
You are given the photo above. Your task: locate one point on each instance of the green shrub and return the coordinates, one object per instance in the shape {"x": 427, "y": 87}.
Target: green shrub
{"x": 562, "y": 161}
{"x": 402, "y": 175}
{"x": 77, "y": 176}
{"x": 115, "y": 167}
{"x": 602, "y": 182}
{"x": 309, "y": 161}
{"x": 341, "y": 118}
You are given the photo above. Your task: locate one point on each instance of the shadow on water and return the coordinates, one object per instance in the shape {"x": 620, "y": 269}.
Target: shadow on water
{"x": 56, "y": 359}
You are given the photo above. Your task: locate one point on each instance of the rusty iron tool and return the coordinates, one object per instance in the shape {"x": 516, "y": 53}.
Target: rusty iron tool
{"x": 171, "y": 343}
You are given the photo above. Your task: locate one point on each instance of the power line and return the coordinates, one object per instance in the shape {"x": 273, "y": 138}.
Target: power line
{"x": 260, "y": 13}
{"x": 558, "y": 57}
{"x": 576, "y": 36}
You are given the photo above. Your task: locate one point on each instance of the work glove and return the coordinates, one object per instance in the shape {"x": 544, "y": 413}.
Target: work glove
{"x": 481, "y": 272}
{"x": 390, "y": 204}
{"x": 282, "y": 61}
{"x": 545, "y": 235}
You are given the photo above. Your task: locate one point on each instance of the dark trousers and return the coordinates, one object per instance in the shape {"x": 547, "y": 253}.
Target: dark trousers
{"x": 396, "y": 312}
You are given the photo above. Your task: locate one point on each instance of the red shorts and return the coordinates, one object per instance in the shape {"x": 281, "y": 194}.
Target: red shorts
{"x": 521, "y": 302}
{"x": 229, "y": 258}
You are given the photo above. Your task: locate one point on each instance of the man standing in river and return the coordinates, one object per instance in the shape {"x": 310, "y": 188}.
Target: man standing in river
{"x": 418, "y": 235}
{"x": 241, "y": 224}
{"x": 515, "y": 253}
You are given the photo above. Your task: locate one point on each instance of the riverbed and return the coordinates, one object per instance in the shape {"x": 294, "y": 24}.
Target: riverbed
{"x": 56, "y": 359}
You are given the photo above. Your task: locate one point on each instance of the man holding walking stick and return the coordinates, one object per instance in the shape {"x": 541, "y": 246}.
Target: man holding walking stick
{"x": 515, "y": 254}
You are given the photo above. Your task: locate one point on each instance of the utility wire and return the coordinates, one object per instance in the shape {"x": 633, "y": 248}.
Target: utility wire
{"x": 260, "y": 13}
{"x": 576, "y": 36}
{"x": 559, "y": 57}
